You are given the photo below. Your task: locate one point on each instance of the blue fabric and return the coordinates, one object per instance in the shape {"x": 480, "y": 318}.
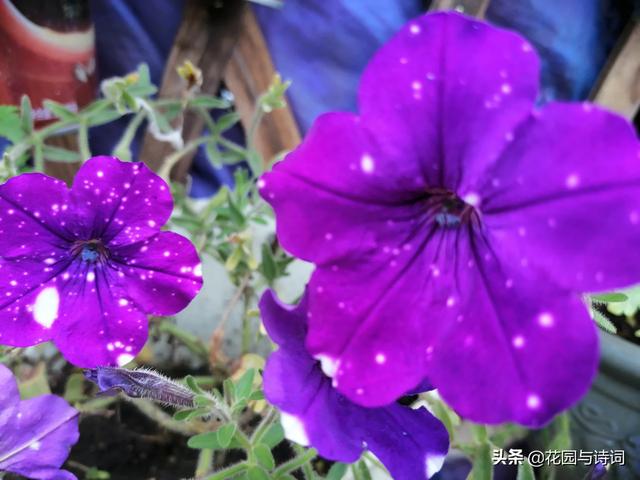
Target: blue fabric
{"x": 573, "y": 37}
{"x": 323, "y": 46}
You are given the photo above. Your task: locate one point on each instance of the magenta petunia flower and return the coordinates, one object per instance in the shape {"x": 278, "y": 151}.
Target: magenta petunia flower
{"x": 454, "y": 225}
{"x": 82, "y": 267}
{"x": 35, "y": 434}
{"x": 412, "y": 444}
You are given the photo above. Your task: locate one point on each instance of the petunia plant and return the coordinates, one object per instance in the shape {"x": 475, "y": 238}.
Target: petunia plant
{"x": 459, "y": 233}
{"x": 83, "y": 268}
{"x": 455, "y": 226}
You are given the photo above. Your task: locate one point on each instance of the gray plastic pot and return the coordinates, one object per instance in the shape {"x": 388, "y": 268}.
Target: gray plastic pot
{"x": 608, "y": 418}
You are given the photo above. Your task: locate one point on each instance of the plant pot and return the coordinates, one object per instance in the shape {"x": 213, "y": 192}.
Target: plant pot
{"x": 608, "y": 418}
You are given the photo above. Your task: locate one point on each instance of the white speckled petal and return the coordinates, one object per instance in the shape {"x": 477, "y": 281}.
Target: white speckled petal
{"x": 119, "y": 202}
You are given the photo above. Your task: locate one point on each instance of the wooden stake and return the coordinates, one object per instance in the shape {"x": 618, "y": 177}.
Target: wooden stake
{"x": 618, "y": 87}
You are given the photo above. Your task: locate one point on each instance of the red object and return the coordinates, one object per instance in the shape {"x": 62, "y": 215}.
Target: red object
{"x": 47, "y": 51}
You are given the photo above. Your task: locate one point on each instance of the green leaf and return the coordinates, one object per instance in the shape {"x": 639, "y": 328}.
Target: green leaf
{"x": 236, "y": 215}
{"x": 229, "y": 157}
{"x": 256, "y": 473}
{"x": 337, "y": 471}
{"x": 610, "y": 297}
{"x": 10, "y": 124}
{"x": 225, "y": 433}
{"x": 208, "y": 440}
{"x": 202, "y": 400}
{"x": 274, "y": 435}
{"x": 525, "y": 471}
{"x": 37, "y": 384}
{"x": 561, "y": 439}
{"x": 361, "y": 471}
{"x": 226, "y": 121}
{"x": 186, "y": 415}
{"x": 103, "y": 116}
{"x": 228, "y": 390}
{"x": 59, "y": 110}
{"x": 193, "y": 384}
{"x": 234, "y": 259}
{"x": 602, "y": 321}
{"x": 239, "y": 407}
{"x": 213, "y": 154}
{"x": 264, "y": 456}
{"x": 95, "y": 474}
{"x": 482, "y": 464}
{"x": 62, "y": 155}
{"x": 244, "y": 385}
{"x": 208, "y": 102}
{"x": 74, "y": 388}
{"x": 257, "y": 395}
{"x": 268, "y": 266}
{"x": 26, "y": 115}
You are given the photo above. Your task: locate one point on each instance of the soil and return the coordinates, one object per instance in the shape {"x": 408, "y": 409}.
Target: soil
{"x": 131, "y": 447}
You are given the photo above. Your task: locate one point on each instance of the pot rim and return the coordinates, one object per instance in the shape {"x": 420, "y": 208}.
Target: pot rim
{"x": 620, "y": 358}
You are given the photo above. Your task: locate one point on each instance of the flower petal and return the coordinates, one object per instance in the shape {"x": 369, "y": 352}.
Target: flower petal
{"x": 448, "y": 92}
{"x": 119, "y": 202}
{"x": 35, "y": 238}
{"x": 28, "y": 225}
{"x": 36, "y": 438}
{"x": 515, "y": 347}
{"x": 98, "y": 324}
{"x": 371, "y": 316}
{"x": 338, "y": 175}
{"x": 565, "y": 196}
{"x": 30, "y": 299}
{"x": 411, "y": 443}
{"x": 9, "y": 394}
{"x": 161, "y": 274}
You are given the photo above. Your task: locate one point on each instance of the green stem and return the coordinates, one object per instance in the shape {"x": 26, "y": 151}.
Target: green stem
{"x": 229, "y": 472}
{"x": 242, "y": 439}
{"x": 52, "y": 129}
{"x": 307, "y": 469}
{"x": 205, "y": 460}
{"x": 38, "y": 157}
{"x": 83, "y": 141}
{"x": 123, "y": 149}
{"x": 264, "y": 425}
{"x": 171, "y": 160}
{"x": 295, "y": 463}
{"x": 211, "y": 125}
{"x": 255, "y": 123}
{"x": 246, "y": 326}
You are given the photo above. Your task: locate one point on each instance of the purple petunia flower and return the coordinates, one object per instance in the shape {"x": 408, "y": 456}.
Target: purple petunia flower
{"x": 35, "y": 434}
{"x": 82, "y": 267}
{"x": 454, "y": 226}
{"x": 412, "y": 444}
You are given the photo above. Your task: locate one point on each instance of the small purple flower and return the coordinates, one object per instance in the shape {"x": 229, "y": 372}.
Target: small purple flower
{"x": 412, "y": 444}
{"x": 35, "y": 434}
{"x": 454, "y": 226}
{"x": 82, "y": 267}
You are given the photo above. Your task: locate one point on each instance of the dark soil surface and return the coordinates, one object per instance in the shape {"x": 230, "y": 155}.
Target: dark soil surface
{"x": 131, "y": 447}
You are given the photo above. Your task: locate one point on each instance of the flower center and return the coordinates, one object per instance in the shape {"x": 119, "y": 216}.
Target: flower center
{"x": 448, "y": 209}
{"x": 91, "y": 251}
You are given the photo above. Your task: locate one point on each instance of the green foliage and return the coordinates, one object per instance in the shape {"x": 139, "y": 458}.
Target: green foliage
{"x": 10, "y": 124}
